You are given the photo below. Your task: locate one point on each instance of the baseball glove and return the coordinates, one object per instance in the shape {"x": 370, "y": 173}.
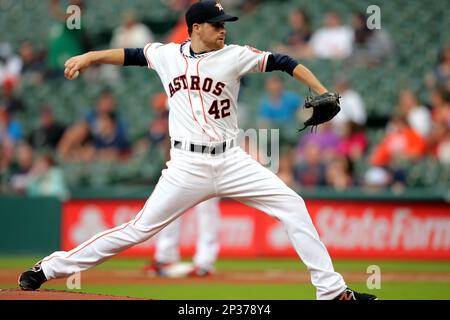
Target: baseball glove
{"x": 325, "y": 107}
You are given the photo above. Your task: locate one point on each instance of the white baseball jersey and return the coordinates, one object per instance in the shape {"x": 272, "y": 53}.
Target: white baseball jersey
{"x": 203, "y": 90}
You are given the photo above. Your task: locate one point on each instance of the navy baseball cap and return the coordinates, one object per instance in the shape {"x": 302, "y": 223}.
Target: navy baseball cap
{"x": 209, "y": 11}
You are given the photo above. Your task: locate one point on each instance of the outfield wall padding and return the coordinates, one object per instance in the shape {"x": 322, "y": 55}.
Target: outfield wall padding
{"x": 29, "y": 226}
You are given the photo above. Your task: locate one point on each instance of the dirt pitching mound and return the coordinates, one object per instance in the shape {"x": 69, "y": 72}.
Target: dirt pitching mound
{"x": 13, "y": 294}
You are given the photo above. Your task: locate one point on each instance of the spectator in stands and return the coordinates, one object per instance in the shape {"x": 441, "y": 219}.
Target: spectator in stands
{"x": 439, "y": 143}
{"x": 9, "y": 135}
{"x": 64, "y": 42}
{"x": 131, "y": 33}
{"x": 382, "y": 178}
{"x": 300, "y": 32}
{"x": 33, "y": 68}
{"x": 352, "y": 106}
{"x": 159, "y": 126}
{"x": 440, "y": 75}
{"x": 49, "y": 132}
{"x": 21, "y": 167}
{"x": 46, "y": 179}
{"x": 310, "y": 171}
{"x": 401, "y": 146}
{"x": 370, "y": 46}
{"x": 440, "y": 106}
{"x": 354, "y": 142}
{"x": 9, "y": 98}
{"x": 278, "y": 105}
{"x": 5, "y": 160}
{"x": 10, "y": 63}
{"x": 361, "y": 32}
{"x": 298, "y": 37}
{"x": 105, "y": 143}
{"x": 377, "y": 178}
{"x": 286, "y": 167}
{"x": 439, "y": 137}
{"x": 106, "y": 103}
{"x": 443, "y": 149}
{"x": 339, "y": 173}
{"x": 417, "y": 115}
{"x": 325, "y": 139}
{"x": 401, "y": 143}
{"x": 313, "y": 153}
{"x": 108, "y": 143}
{"x": 179, "y": 32}
{"x": 10, "y": 130}
{"x": 82, "y": 134}
{"x": 333, "y": 40}
{"x": 157, "y": 136}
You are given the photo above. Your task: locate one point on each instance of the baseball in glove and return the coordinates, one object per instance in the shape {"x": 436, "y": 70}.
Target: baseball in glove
{"x": 324, "y": 108}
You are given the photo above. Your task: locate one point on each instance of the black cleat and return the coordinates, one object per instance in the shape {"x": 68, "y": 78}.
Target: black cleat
{"x": 349, "y": 294}
{"x": 33, "y": 278}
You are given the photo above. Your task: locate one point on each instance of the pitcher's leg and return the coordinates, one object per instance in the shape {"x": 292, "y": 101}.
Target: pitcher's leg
{"x": 247, "y": 181}
{"x": 94, "y": 251}
{"x": 292, "y": 213}
{"x": 166, "y": 247}
{"x": 208, "y": 215}
{"x": 166, "y": 203}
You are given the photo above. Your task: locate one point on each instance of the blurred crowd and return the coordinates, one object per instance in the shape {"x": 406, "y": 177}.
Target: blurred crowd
{"x": 354, "y": 43}
{"x": 31, "y": 161}
{"x": 328, "y": 157}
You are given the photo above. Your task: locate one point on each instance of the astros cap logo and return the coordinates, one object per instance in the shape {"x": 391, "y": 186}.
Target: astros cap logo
{"x": 219, "y": 6}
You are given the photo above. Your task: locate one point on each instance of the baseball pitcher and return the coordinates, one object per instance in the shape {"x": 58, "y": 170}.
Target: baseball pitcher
{"x": 201, "y": 78}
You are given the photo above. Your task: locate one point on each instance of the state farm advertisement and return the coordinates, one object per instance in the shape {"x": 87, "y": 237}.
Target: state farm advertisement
{"x": 349, "y": 229}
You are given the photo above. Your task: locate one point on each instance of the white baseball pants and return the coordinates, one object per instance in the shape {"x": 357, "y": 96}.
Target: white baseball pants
{"x": 191, "y": 178}
{"x": 207, "y": 246}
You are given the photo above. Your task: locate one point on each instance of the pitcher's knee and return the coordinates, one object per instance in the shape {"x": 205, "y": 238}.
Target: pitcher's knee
{"x": 293, "y": 203}
{"x": 290, "y": 207}
{"x": 143, "y": 232}
{"x": 138, "y": 234}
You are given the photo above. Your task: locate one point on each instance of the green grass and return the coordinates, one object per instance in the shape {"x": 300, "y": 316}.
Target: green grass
{"x": 13, "y": 262}
{"x": 431, "y": 290}
{"x": 389, "y": 290}
{"x": 340, "y": 265}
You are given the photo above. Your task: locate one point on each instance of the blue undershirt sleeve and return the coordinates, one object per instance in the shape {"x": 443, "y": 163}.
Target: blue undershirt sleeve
{"x": 282, "y": 62}
{"x": 134, "y": 57}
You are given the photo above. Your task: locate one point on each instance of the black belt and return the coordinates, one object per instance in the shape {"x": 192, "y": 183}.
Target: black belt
{"x": 220, "y": 148}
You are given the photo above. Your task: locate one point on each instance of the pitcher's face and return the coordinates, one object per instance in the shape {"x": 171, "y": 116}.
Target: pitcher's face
{"x": 212, "y": 34}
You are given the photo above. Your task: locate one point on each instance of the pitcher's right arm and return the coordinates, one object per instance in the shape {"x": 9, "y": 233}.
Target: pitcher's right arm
{"x": 84, "y": 61}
